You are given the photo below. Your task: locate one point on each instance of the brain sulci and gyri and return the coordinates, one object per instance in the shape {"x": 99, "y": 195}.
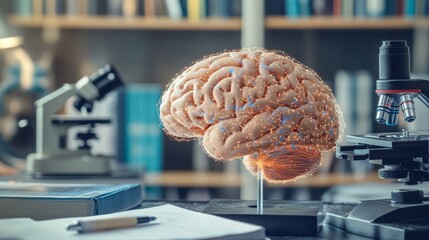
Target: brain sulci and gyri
{"x": 263, "y": 107}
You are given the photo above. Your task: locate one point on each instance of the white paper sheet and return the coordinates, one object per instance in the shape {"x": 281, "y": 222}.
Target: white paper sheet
{"x": 172, "y": 223}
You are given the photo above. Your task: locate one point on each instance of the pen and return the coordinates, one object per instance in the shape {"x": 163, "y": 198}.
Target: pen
{"x": 108, "y": 223}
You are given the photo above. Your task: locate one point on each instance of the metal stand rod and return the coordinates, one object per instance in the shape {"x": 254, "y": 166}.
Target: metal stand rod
{"x": 260, "y": 196}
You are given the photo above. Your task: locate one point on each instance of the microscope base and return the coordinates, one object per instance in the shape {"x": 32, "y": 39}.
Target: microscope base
{"x": 75, "y": 165}
{"x": 379, "y": 219}
{"x": 280, "y": 218}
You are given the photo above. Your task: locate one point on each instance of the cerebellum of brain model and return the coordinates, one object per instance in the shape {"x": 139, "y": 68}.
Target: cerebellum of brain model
{"x": 261, "y": 105}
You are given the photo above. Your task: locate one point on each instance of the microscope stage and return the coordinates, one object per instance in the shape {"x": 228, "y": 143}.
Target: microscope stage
{"x": 391, "y": 140}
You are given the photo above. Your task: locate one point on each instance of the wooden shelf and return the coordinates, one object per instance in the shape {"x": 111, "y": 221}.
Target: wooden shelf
{"x": 231, "y": 180}
{"x": 343, "y": 23}
{"x": 230, "y": 24}
{"x": 80, "y": 22}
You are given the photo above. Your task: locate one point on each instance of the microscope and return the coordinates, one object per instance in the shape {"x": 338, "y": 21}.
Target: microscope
{"x": 404, "y": 156}
{"x": 52, "y": 157}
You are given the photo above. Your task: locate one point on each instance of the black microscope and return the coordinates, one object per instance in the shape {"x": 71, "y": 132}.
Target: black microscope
{"x": 402, "y": 155}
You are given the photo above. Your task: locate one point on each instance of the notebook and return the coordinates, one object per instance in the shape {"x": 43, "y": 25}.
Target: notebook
{"x": 46, "y": 200}
{"x": 172, "y": 223}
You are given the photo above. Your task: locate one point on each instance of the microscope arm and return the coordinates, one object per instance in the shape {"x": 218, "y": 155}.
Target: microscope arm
{"x": 46, "y": 134}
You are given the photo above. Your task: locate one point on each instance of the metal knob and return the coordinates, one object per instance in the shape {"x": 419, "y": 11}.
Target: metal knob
{"x": 407, "y": 196}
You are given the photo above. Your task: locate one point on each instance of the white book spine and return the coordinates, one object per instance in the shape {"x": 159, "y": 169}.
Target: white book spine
{"x": 174, "y": 9}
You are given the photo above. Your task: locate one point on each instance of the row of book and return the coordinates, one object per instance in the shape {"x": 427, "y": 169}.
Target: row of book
{"x": 174, "y": 9}
{"x": 201, "y": 9}
{"x": 348, "y": 8}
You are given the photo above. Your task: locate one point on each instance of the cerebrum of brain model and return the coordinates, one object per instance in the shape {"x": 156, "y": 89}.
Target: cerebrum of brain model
{"x": 261, "y": 105}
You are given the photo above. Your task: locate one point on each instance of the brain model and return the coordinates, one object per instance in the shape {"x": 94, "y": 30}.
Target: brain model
{"x": 261, "y": 105}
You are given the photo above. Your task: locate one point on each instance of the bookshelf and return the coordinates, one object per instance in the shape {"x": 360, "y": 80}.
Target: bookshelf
{"x": 213, "y": 24}
{"x": 343, "y": 23}
{"x": 195, "y": 179}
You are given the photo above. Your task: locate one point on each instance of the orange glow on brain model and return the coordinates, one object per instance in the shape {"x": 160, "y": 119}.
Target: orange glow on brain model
{"x": 261, "y": 105}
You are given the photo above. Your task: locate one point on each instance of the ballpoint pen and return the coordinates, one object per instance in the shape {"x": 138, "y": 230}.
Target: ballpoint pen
{"x": 107, "y": 223}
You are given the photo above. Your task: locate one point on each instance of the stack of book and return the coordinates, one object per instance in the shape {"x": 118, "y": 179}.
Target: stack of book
{"x": 52, "y": 200}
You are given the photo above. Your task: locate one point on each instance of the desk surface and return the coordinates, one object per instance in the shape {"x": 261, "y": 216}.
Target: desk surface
{"x": 326, "y": 233}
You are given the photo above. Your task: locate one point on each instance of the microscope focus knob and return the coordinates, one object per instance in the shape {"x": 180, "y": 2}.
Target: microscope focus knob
{"x": 392, "y": 172}
{"x": 407, "y": 196}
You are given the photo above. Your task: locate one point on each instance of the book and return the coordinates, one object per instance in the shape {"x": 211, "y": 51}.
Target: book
{"x": 359, "y": 10}
{"x": 172, "y": 223}
{"x": 174, "y": 9}
{"x": 336, "y": 11}
{"x": 48, "y": 200}
{"x": 322, "y": 7}
{"x": 149, "y": 8}
{"x": 347, "y": 8}
{"x": 376, "y": 8}
{"x": 194, "y": 10}
{"x": 292, "y": 9}
{"x": 129, "y": 8}
{"x": 142, "y": 140}
{"x": 220, "y": 8}
{"x": 161, "y": 8}
{"x": 275, "y": 7}
{"x": 410, "y": 8}
{"x": 391, "y": 8}
{"x": 304, "y": 8}
{"x": 184, "y": 6}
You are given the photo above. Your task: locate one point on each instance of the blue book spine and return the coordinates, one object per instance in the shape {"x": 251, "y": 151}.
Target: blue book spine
{"x": 23, "y": 8}
{"x": 391, "y": 7}
{"x": 292, "y": 8}
{"x": 426, "y": 8}
{"x": 275, "y": 7}
{"x": 304, "y": 8}
{"x": 360, "y": 8}
{"x": 143, "y": 139}
{"x": 410, "y": 8}
{"x": 184, "y": 5}
{"x": 225, "y": 8}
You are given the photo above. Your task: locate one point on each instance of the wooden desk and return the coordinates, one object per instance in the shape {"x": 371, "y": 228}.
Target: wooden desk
{"x": 193, "y": 179}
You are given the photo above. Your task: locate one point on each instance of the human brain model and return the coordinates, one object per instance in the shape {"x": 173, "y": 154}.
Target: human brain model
{"x": 261, "y": 105}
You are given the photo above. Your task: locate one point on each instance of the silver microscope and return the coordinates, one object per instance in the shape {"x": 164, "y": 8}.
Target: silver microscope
{"x": 52, "y": 158}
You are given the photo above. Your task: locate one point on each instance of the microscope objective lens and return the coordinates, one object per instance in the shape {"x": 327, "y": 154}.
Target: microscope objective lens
{"x": 407, "y": 107}
{"x": 387, "y": 110}
{"x": 393, "y": 117}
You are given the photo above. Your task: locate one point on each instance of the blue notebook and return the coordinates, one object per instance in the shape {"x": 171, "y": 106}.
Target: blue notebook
{"x": 47, "y": 200}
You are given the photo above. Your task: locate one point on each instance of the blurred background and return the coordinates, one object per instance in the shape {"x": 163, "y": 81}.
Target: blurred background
{"x": 149, "y": 41}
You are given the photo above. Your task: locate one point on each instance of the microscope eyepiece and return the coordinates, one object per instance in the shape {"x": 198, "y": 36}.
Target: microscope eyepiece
{"x": 105, "y": 80}
{"x": 394, "y": 60}
{"x": 96, "y": 86}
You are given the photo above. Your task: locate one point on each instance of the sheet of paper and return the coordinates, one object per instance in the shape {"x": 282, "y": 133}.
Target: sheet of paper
{"x": 172, "y": 223}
